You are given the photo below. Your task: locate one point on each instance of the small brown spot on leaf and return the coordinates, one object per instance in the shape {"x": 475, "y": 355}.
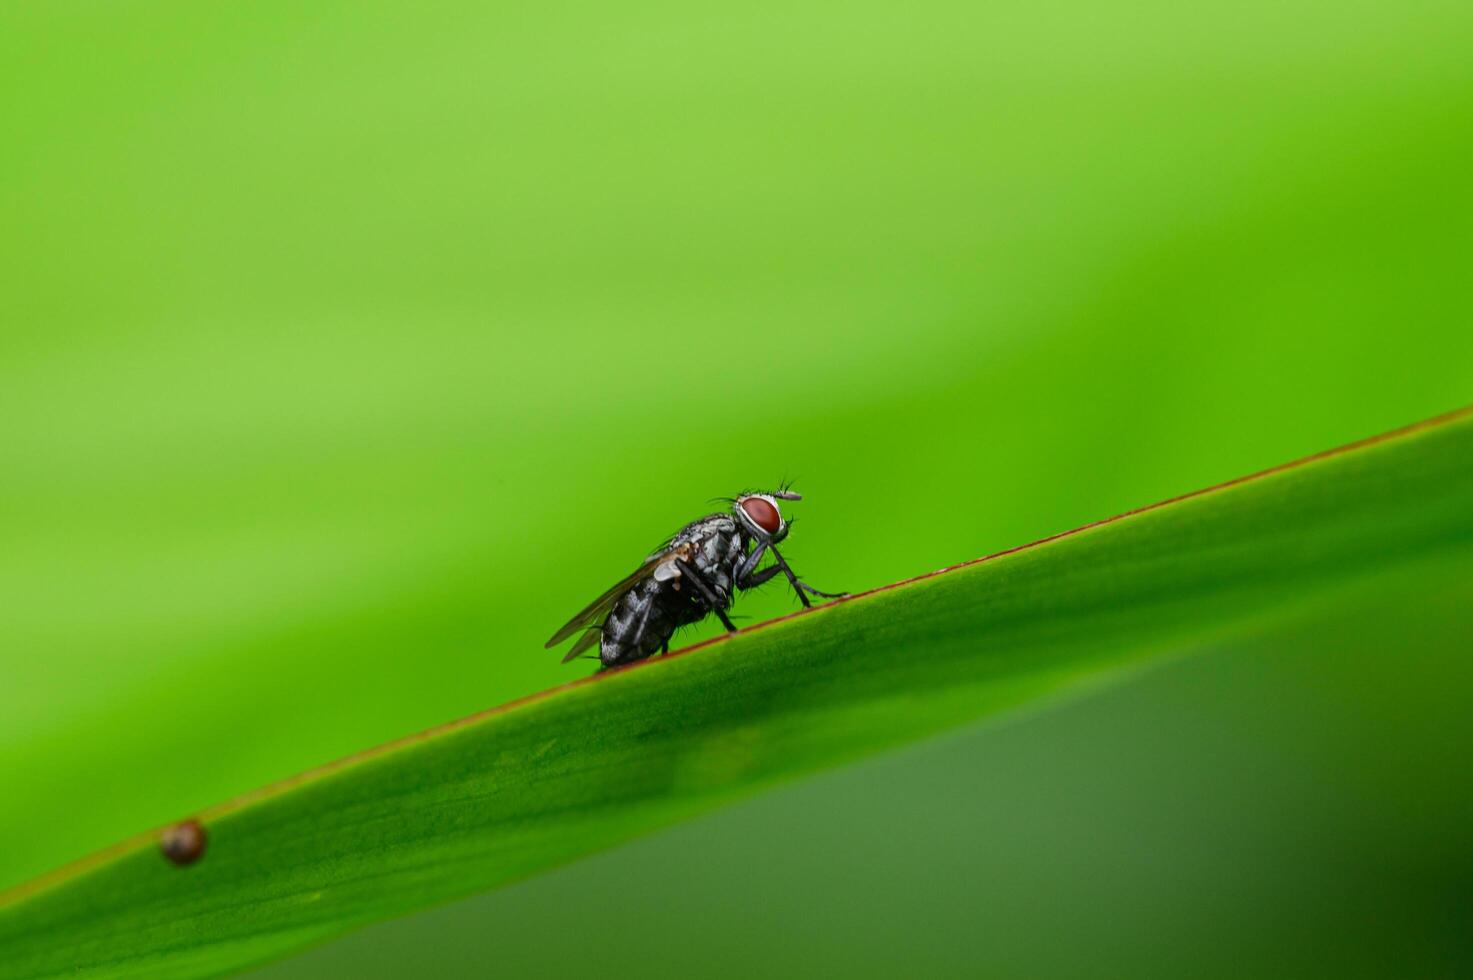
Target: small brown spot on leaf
{"x": 183, "y": 843}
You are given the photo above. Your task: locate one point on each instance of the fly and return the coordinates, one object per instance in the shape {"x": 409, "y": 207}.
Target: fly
{"x": 695, "y": 574}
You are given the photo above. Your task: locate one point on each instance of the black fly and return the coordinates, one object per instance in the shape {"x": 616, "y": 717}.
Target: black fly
{"x": 696, "y": 573}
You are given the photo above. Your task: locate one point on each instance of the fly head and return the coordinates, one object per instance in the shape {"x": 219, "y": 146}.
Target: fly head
{"x": 759, "y": 516}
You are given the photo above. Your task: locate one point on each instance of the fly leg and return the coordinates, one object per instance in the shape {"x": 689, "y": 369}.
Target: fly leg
{"x": 798, "y": 587}
{"x": 744, "y": 576}
{"x": 747, "y": 576}
{"x": 699, "y": 583}
{"x": 757, "y": 578}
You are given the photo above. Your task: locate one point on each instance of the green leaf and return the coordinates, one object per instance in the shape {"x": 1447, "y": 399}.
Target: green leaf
{"x": 516, "y": 790}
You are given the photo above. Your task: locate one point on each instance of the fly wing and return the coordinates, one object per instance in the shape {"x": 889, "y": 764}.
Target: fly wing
{"x": 589, "y": 638}
{"x": 599, "y": 608}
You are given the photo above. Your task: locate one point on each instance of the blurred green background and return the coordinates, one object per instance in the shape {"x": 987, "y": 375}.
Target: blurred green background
{"x": 349, "y": 348}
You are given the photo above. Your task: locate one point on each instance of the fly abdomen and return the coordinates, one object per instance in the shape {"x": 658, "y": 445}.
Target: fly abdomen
{"x": 645, "y": 617}
{"x": 640, "y": 624}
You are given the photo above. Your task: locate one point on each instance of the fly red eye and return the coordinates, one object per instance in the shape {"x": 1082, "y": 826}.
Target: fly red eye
{"x": 762, "y": 513}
